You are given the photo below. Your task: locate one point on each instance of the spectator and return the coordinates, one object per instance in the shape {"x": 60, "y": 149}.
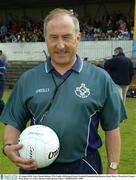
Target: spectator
{"x": 120, "y": 69}
{"x": 2, "y": 79}
{"x": 3, "y": 57}
{"x": 108, "y": 27}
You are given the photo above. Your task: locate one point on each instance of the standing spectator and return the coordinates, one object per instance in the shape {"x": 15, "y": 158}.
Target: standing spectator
{"x": 2, "y": 79}
{"x": 3, "y": 57}
{"x": 120, "y": 69}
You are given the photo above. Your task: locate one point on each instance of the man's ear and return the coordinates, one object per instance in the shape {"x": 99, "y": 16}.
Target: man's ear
{"x": 79, "y": 36}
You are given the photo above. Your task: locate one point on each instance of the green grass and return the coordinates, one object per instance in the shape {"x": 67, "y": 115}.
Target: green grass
{"x": 128, "y": 150}
{"x": 128, "y": 141}
{"x": 6, "y": 166}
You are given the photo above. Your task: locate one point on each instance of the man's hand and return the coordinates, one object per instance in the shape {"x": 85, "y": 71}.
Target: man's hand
{"x": 12, "y": 152}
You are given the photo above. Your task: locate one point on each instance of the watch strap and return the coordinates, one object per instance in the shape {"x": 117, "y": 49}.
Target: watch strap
{"x": 114, "y": 165}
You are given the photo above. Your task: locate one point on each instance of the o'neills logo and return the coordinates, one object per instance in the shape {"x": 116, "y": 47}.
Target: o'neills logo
{"x": 53, "y": 154}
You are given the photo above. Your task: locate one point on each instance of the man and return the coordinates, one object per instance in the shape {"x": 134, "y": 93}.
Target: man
{"x": 70, "y": 96}
{"x": 120, "y": 69}
{"x": 2, "y": 79}
{"x": 3, "y": 57}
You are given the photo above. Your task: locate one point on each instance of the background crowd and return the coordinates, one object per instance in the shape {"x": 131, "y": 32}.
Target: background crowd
{"x": 109, "y": 27}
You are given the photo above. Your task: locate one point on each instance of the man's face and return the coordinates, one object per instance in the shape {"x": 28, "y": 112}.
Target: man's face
{"x": 62, "y": 40}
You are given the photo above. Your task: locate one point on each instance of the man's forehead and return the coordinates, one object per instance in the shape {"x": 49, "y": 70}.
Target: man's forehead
{"x": 60, "y": 19}
{"x": 60, "y": 25}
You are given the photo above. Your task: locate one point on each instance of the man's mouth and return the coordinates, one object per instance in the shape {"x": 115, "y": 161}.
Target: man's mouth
{"x": 61, "y": 53}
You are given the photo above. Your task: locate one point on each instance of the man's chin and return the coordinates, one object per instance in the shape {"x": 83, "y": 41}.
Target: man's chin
{"x": 61, "y": 57}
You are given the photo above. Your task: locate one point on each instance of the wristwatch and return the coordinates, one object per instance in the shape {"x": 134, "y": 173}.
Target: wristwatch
{"x": 114, "y": 165}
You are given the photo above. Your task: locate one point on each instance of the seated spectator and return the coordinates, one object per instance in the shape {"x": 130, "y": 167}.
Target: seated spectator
{"x": 109, "y": 27}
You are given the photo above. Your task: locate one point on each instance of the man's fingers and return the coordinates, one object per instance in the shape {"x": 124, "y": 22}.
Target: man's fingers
{"x": 28, "y": 164}
{"x": 18, "y": 147}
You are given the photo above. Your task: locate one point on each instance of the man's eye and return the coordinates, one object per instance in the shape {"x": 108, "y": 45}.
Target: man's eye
{"x": 66, "y": 37}
{"x": 53, "y": 37}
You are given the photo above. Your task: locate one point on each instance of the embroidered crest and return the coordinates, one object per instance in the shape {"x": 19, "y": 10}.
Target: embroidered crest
{"x": 82, "y": 91}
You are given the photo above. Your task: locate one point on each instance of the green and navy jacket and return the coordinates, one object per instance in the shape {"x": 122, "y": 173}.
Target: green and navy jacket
{"x": 73, "y": 105}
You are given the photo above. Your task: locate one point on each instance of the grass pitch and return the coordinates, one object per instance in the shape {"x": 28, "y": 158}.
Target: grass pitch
{"x": 128, "y": 150}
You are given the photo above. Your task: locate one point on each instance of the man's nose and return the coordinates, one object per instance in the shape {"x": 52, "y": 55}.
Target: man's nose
{"x": 60, "y": 44}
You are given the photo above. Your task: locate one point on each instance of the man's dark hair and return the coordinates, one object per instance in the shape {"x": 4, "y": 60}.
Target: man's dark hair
{"x": 119, "y": 51}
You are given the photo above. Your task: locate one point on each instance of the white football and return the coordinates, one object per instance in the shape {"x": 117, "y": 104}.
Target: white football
{"x": 40, "y": 143}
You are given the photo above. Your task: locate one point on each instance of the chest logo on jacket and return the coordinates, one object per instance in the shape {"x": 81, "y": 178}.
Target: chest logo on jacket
{"x": 82, "y": 91}
{"x": 42, "y": 90}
